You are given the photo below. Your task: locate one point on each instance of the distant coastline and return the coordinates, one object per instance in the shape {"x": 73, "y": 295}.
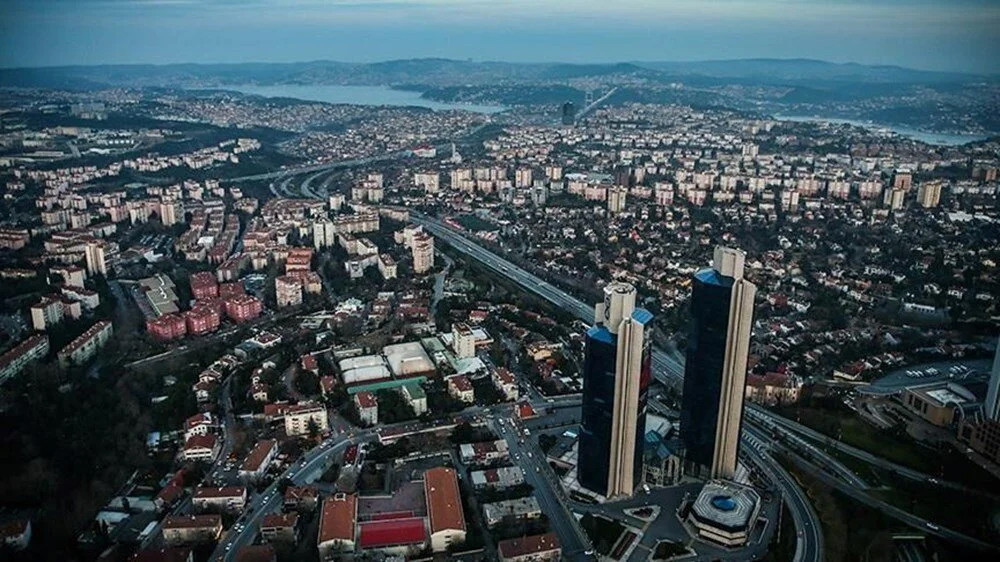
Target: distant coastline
{"x": 929, "y": 137}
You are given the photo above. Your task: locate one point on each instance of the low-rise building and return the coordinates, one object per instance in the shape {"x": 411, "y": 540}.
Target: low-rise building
{"x": 202, "y": 448}
{"x": 446, "y": 521}
{"x": 532, "y": 548}
{"x": 367, "y": 407}
{"x": 519, "y": 509}
{"x": 15, "y": 360}
{"x": 301, "y": 498}
{"x": 497, "y": 478}
{"x": 191, "y": 529}
{"x": 483, "y": 452}
{"x": 280, "y": 527}
{"x": 724, "y": 512}
{"x": 226, "y": 499}
{"x": 259, "y": 459}
{"x": 460, "y": 388}
{"x": 80, "y": 350}
{"x": 336, "y": 526}
{"x": 506, "y": 383}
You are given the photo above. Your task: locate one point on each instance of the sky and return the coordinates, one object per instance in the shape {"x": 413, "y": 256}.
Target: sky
{"x": 957, "y": 35}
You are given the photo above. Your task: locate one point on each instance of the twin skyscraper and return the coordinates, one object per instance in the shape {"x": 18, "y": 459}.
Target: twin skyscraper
{"x": 617, "y": 374}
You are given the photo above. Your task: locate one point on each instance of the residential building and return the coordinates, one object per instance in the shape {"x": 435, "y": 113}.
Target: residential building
{"x": 202, "y": 448}
{"x": 506, "y": 383}
{"x": 80, "y": 350}
{"x": 243, "y": 308}
{"x": 300, "y": 417}
{"x": 287, "y": 291}
{"x": 367, "y": 407}
{"x": 423, "y": 253}
{"x": 532, "y": 548}
{"x": 463, "y": 340}
{"x": 460, "y": 388}
{"x": 415, "y": 396}
{"x": 259, "y": 459}
{"x": 34, "y": 348}
{"x": 46, "y": 313}
{"x": 616, "y": 376}
{"x": 280, "y": 527}
{"x": 519, "y": 509}
{"x": 715, "y": 370}
{"x": 203, "y": 285}
{"x": 616, "y": 199}
{"x": 227, "y": 499}
{"x": 497, "y": 478}
{"x": 483, "y": 451}
{"x": 191, "y": 529}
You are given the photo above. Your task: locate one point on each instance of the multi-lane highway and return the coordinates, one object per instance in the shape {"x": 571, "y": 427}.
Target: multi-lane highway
{"x": 666, "y": 369}
{"x": 330, "y": 166}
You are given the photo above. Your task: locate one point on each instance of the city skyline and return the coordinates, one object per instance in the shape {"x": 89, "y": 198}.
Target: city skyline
{"x": 53, "y": 32}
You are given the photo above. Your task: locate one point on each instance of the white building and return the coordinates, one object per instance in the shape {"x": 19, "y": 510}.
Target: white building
{"x": 298, "y": 417}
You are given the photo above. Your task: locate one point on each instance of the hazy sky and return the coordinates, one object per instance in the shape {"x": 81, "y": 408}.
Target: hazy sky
{"x": 932, "y": 34}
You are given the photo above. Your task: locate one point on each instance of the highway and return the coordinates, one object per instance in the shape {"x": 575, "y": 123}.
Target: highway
{"x": 809, "y": 543}
{"x": 892, "y": 511}
{"x": 666, "y": 369}
{"x": 330, "y": 166}
{"x": 770, "y": 421}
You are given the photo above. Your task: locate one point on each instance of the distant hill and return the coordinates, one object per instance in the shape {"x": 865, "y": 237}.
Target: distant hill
{"x": 805, "y": 70}
{"x": 450, "y": 73}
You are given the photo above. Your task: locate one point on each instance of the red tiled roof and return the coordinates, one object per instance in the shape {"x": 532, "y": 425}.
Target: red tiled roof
{"x": 534, "y": 544}
{"x": 256, "y": 457}
{"x": 394, "y": 532}
{"x": 444, "y": 505}
{"x": 336, "y": 522}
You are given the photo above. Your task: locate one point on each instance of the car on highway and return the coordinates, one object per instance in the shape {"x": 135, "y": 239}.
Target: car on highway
{"x": 932, "y": 526}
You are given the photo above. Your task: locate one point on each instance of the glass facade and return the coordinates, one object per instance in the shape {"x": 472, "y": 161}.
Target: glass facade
{"x": 594, "y": 454}
{"x": 597, "y": 413}
{"x": 706, "y": 352}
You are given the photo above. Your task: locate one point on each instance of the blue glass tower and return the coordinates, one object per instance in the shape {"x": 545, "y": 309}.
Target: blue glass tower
{"x": 616, "y": 375}
{"x": 715, "y": 370}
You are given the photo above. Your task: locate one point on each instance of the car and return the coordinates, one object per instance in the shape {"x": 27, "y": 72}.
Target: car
{"x": 932, "y": 526}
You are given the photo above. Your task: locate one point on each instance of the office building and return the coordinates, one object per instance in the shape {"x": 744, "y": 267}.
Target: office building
{"x": 568, "y": 113}
{"x": 715, "y": 372}
{"x": 616, "y": 375}
{"x": 991, "y": 407}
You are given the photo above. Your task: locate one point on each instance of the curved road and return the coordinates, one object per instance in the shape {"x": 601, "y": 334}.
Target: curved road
{"x": 666, "y": 369}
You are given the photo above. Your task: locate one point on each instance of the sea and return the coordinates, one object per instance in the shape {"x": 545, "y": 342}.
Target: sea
{"x": 360, "y": 95}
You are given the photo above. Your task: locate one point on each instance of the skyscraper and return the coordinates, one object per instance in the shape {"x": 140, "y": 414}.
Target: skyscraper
{"x": 568, "y": 113}
{"x": 992, "y": 405}
{"x": 616, "y": 375}
{"x": 715, "y": 372}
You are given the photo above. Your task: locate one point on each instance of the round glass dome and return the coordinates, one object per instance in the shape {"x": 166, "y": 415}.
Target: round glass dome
{"x": 724, "y": 503}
